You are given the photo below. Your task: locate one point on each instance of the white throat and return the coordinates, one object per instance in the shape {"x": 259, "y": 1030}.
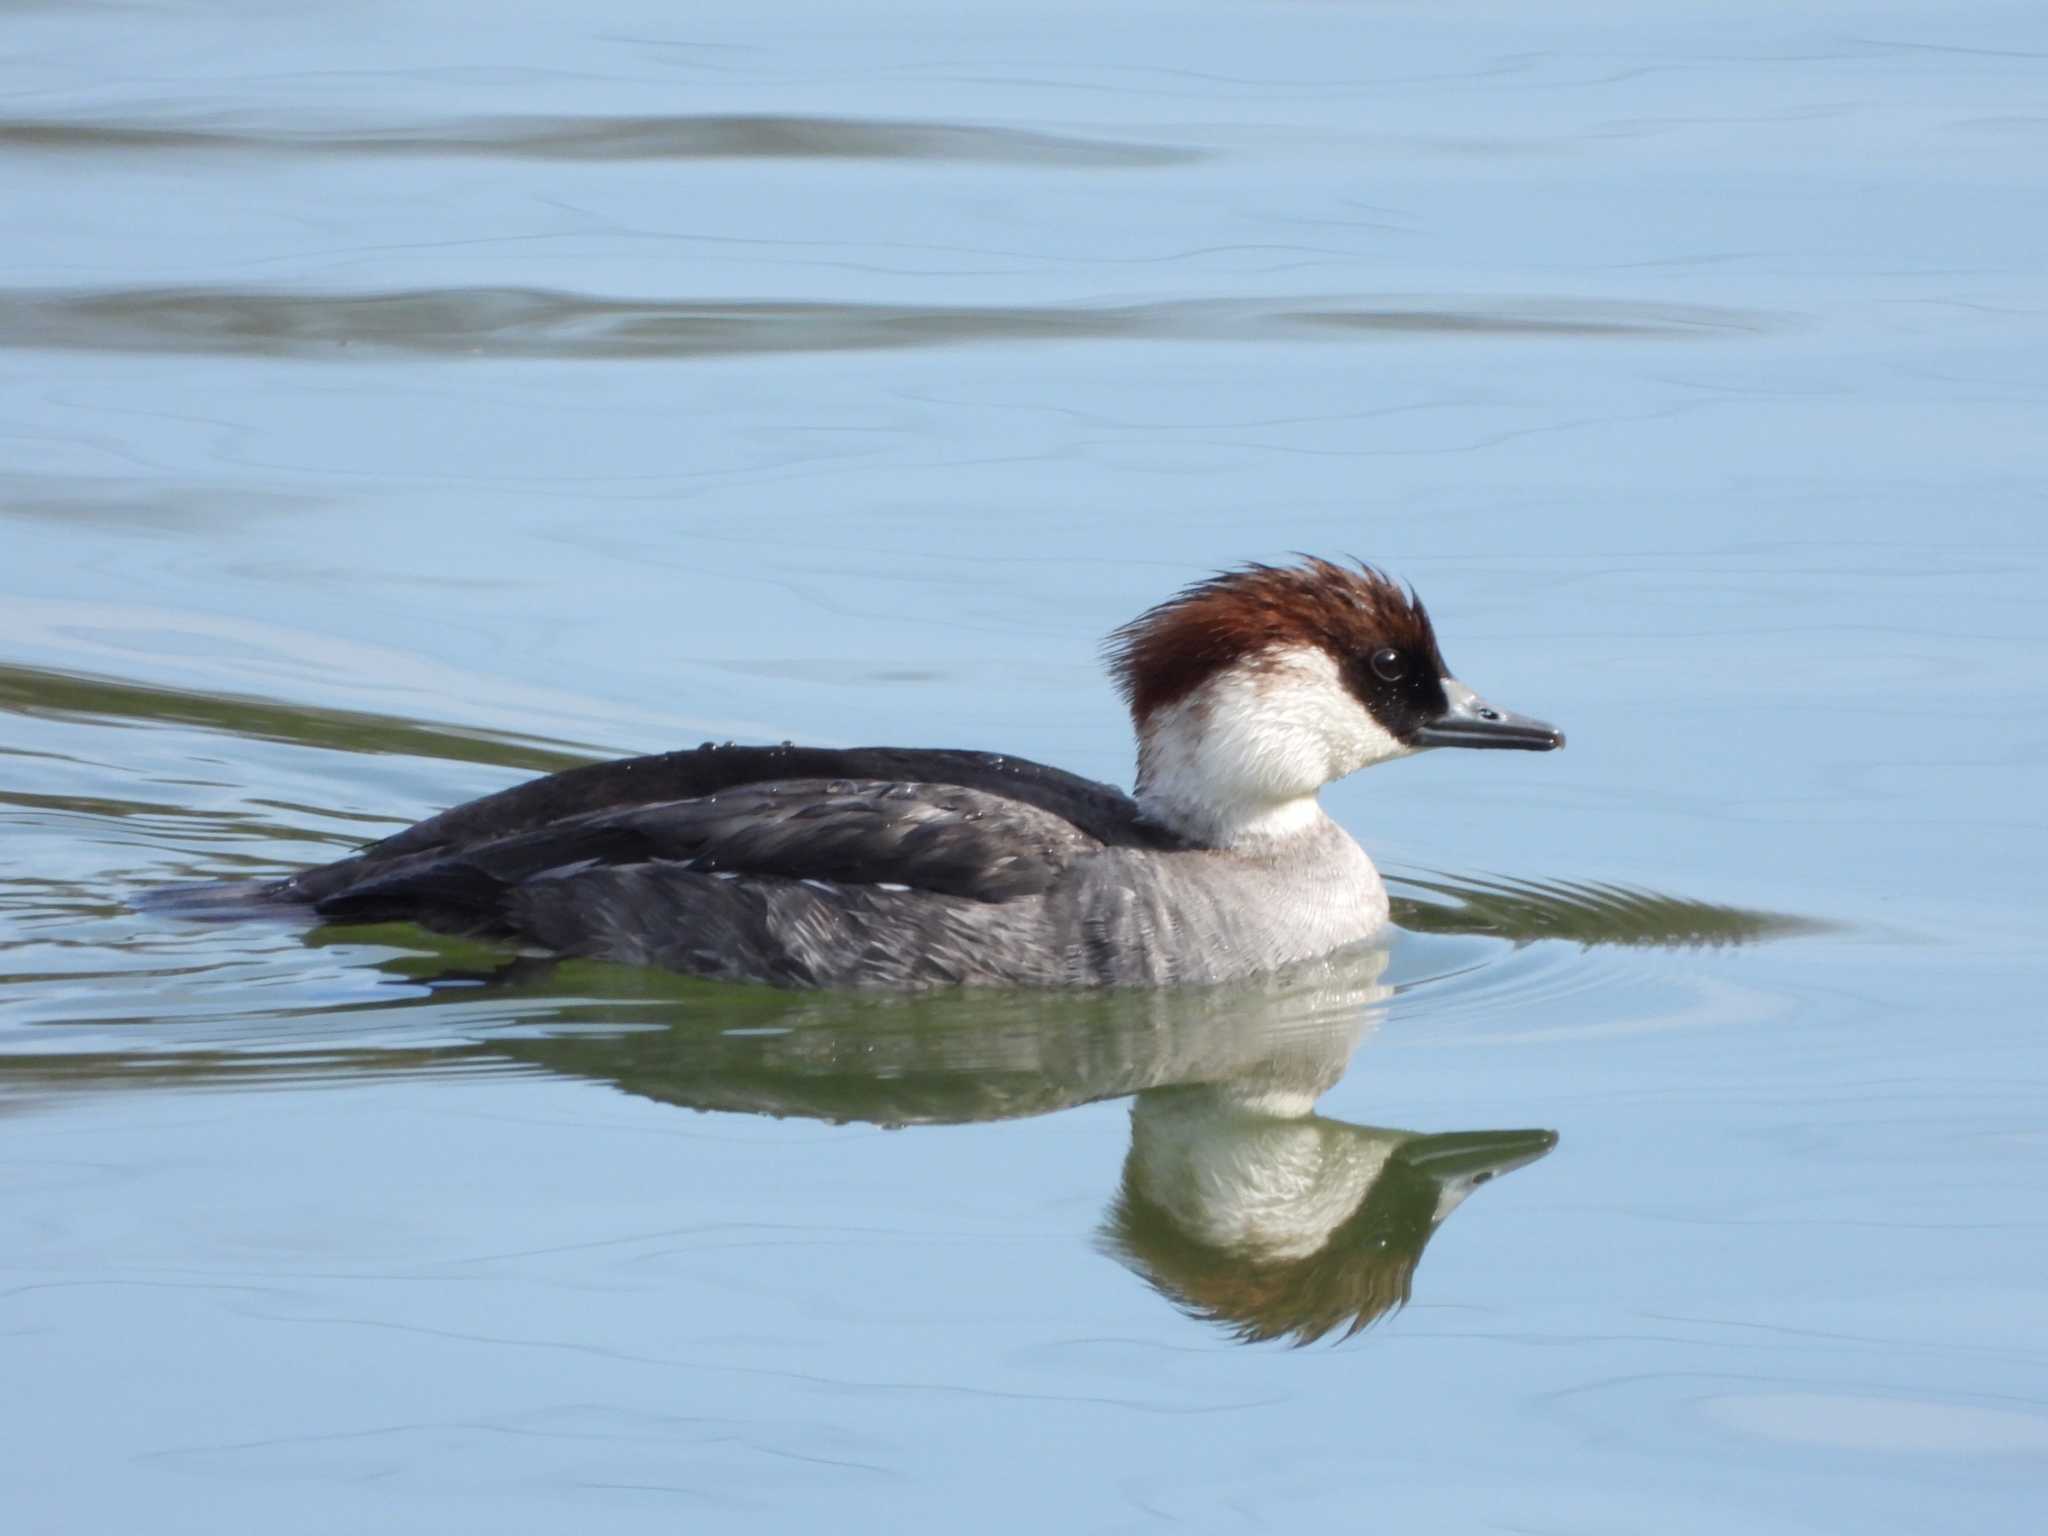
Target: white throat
{"x": 1238, "y": 761}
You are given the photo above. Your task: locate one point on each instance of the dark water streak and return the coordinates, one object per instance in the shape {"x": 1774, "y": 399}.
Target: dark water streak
{"x": 726, "y": 136}
{"x": 488, "y": 323}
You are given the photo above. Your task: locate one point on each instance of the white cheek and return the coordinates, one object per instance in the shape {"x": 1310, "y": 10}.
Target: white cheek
{"x": 1364, "y": 741}
{"x": 1299, "y": 698}
{"x": 1250, "y": 748}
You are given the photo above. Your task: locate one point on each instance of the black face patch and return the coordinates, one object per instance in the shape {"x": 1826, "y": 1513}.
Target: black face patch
{"x": 1402, "y": 686}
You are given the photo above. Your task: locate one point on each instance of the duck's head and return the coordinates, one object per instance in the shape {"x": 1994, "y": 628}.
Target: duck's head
{"x": 1253, "y": 689}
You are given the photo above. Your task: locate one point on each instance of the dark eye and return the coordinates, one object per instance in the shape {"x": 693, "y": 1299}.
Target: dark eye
{"x": 1390, "y": 665}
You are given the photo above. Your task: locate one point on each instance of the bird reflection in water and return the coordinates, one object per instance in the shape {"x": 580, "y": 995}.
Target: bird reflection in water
{"x": 1238, "y": 1202}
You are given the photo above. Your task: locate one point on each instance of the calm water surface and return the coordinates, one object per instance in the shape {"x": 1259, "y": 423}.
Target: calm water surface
{"x": 399, "y": 401}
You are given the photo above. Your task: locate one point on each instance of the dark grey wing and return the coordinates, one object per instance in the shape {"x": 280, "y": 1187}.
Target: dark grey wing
{"x": 783, "y": 881}
{"x": 1100, "y": 811}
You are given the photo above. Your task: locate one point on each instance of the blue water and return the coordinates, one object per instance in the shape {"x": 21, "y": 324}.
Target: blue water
{"x": 399, "y": 401}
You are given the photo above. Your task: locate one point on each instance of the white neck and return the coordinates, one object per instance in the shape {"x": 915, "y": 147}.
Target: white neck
{"x": 1238, "y": 762}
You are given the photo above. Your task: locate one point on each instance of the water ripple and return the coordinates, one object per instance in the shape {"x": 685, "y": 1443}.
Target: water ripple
{"x": 731, "y": 136}
{"x": 550, "y": 323}
{"x": 1585, "y": 912}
